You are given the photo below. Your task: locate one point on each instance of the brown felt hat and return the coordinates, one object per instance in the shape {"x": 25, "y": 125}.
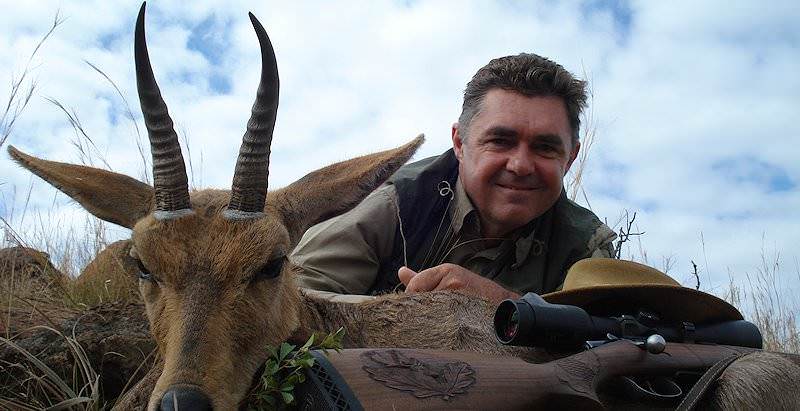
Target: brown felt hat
{"x": 607, "y": 286}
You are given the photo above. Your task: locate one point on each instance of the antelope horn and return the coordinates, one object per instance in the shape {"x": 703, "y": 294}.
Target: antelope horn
{"x": 169, "y": 172}
{"x": 249, "y": 190}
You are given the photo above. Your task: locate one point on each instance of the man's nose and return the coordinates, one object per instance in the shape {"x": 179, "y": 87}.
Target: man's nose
{"x": 521, "y": 162}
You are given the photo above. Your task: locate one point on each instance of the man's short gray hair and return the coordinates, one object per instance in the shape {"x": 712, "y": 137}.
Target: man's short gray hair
{"x": 530, "y": 75}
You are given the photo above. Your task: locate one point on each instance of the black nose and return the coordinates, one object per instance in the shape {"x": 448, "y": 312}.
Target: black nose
{"x": 184, "y": 398}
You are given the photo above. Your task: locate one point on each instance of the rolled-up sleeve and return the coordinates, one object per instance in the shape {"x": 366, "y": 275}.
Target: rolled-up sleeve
{"x": 344, "y": 254}
{"x": 601, "y": 245}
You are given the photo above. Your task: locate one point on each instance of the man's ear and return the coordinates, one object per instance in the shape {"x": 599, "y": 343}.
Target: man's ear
{"x": 573, "y": 155}
{"x": 109, "y": 196}
{"x": 457, "y": 141}
{"x": 335, "y": 189}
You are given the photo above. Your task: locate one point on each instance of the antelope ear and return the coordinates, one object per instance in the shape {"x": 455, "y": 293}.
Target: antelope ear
{"x": 337, "y": 188}
{"x": 112, "y": 197}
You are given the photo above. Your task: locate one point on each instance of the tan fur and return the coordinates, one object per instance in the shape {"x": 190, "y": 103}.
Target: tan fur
{"x": 439, "y": 320}
{"x": 112, "y": 197}
{"x": 758, "y": 381}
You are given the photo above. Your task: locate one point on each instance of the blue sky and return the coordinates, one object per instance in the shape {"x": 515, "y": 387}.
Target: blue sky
{"x": 695, "y": 104}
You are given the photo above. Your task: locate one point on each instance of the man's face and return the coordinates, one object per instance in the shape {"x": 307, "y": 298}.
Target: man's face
{"x": 514, "y": 158}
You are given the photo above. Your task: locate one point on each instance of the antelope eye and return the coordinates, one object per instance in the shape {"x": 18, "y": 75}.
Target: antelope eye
{"x": 271, "y": 269}
{"x": 144, "y": 273}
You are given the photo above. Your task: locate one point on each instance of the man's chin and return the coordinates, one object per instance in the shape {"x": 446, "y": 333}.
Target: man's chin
{"x": 515, "y": 217}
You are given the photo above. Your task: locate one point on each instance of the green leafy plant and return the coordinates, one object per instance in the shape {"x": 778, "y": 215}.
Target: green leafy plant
{"x": 284, "y": 369}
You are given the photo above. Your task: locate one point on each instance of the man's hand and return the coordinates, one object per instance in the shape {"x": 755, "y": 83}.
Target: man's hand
{"x": 453, "y": 277}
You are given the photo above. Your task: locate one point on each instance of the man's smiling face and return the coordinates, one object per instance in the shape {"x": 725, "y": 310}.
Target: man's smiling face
{"x": 513, "y": 160}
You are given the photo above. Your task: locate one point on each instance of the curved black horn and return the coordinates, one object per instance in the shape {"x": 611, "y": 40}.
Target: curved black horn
{"x": 169, "y": 172}
{"x": 249, "y": 190}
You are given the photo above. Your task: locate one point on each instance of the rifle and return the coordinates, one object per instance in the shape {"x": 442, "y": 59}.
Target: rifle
{"x": 621, "y": 346}
{"x": 388, "y": 379}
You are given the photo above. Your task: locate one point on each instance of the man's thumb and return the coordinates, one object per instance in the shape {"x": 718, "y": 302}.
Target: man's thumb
{"x": 405, "y": 274}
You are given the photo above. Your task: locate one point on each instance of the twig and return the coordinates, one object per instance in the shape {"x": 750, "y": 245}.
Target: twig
{"x": 625, "y": 234}
{"x": 696, "y": 275}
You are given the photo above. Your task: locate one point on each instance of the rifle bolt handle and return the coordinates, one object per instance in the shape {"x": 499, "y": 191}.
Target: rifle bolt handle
{"x": 655, "y": 344}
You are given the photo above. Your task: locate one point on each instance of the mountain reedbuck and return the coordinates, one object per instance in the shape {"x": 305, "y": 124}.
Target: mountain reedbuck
{"x": 215, "y": 279}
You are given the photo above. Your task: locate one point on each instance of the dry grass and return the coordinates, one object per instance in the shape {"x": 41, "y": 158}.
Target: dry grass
{"x": 774, "y": 312}
{"x": 43, "y": 388}
{"x": 573, "y": 183}
{"x": 27, "y": 302}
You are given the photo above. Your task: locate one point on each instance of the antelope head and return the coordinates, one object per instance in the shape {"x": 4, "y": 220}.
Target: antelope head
{"x": 214, "y": 277}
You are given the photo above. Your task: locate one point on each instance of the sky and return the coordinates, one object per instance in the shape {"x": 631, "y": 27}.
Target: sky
{"x": 694, "y": 108}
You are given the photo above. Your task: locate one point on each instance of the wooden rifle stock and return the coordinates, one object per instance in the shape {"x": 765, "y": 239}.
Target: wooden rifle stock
{"x": 408, "y": 379}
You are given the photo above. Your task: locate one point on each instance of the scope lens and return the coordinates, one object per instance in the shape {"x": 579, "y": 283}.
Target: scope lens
{"x": 506, "y": 321}
{"x": 512, "y": 326}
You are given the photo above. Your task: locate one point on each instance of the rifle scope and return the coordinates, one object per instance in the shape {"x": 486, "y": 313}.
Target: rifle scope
{"x": 533, "y": 322}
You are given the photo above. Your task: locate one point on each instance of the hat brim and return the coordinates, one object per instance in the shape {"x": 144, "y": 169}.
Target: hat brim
{"x": 671, "y": 303}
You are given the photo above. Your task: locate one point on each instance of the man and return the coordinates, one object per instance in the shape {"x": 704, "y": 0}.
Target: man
{"x": 489, "y": 217}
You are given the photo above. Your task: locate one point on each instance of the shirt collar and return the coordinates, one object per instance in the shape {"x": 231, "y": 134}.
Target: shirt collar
{"x": 464, "y": 215}
{"x": 527, "y": 244}
{"x": 461, "y": 207}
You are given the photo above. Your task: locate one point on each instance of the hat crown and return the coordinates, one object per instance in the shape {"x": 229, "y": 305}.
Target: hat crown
{"x": 593, "y": 272}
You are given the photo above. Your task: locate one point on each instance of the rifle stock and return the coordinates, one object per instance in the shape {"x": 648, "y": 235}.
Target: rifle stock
{"x": 408, "y": 379}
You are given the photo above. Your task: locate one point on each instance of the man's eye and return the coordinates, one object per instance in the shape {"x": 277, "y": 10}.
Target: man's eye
{"x": 271, "y": 269}
{"x": 548, "y": 150}
{"x": 500, "y": 142}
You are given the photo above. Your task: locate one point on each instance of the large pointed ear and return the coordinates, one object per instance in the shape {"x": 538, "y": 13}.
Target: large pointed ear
{"x": 112, "y": 197}
{"x": 337, "y": 188}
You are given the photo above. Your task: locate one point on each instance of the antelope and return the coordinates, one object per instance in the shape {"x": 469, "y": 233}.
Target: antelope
{"x": 213, "y": 269}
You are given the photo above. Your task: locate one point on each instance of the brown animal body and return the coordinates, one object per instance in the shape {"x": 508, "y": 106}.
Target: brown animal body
{"x": 110, "y": 276}
{"x": 758, "y": 381}
{"x": 214, "y": 276}
{"x": 440, "y": 320}
{"x": 31, "y": 289}
{"x": 30, "y": 271}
